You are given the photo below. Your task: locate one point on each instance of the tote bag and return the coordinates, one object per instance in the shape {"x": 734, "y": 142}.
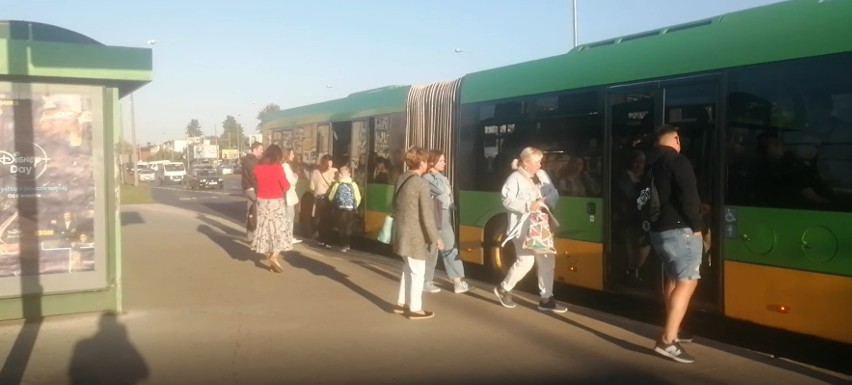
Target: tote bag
{"x": 539, "y": 236}
{"x": 386, "y": 233}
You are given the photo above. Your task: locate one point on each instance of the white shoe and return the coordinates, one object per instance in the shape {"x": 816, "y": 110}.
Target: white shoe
{"x": 295, "y": 241}
{"x": 430, "y": 287}
{"x": 461, "y": 287}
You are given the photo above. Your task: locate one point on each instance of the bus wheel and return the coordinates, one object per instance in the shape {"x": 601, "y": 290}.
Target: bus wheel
{"x": 499, "y": 258}
{"x": 502, "y": 257}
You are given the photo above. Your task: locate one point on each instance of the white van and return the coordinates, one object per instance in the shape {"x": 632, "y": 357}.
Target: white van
{"x": 171, "y": 173}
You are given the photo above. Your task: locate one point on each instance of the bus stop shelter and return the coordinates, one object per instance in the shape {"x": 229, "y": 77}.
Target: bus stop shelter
{"x": 60, "y": 123}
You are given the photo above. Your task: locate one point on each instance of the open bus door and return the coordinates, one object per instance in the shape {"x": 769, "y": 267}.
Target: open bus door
{"x": 350, "y": 147}
{"x": 634, "y": 112}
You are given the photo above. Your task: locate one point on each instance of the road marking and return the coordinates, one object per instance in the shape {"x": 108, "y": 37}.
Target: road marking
{"x": 197, "y": 191}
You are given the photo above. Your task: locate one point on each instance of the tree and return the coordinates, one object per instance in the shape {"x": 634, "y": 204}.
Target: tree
{"x": 232, "y": 134}
{"x": 262, "y": 114}
{"x": 193, "y": 129}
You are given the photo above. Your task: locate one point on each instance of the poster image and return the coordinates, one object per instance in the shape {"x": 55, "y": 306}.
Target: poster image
{"x": 47, "y": 183}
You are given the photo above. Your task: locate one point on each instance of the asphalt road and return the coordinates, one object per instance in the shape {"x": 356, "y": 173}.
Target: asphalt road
{"x": 227, "y": 203}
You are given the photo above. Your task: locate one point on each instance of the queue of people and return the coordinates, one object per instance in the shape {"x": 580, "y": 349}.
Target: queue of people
{"x": 423, "y": 231}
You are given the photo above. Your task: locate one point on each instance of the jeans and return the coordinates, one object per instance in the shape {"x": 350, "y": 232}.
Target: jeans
{"x": 452, "y": 262}
{"x": 680, "y": 251}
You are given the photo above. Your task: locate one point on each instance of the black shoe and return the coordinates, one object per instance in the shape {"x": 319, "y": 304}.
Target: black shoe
{"x": 551, "y": 305}
{"x": 504, "y": 297}
{"x": 673, "y": 351}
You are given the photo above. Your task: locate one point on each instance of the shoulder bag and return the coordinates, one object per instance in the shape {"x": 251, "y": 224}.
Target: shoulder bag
{"x": 385, "y": 234}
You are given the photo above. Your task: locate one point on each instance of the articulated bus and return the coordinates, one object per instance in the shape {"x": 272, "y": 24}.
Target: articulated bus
{"x": 763, "y": 100}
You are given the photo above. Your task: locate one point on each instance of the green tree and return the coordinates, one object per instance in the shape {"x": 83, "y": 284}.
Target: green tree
{"x": 262, "y": 114}
{"x": 233, "y": 135}
{"x": 193, "y": 129}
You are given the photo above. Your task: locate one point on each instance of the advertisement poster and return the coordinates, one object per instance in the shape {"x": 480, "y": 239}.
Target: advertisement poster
{"x": 47, "y": 183}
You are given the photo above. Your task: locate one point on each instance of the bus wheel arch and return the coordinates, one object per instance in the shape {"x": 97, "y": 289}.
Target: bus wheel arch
{"x": 498, "y": 258}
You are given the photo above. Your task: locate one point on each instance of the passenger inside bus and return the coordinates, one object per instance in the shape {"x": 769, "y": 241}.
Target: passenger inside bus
{"x": 627, "y": 222}
{"x": 574, "y": 179}
{"x": 381, "y": 174}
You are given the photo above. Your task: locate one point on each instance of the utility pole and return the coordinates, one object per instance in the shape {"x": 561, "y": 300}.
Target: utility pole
{"x": 575, "y": 21}
{"x": 136, "y": 152}
{"x": 216, "y": 136}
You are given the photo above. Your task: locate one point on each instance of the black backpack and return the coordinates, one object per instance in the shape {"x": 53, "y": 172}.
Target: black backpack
{"x": 648, "y": 199}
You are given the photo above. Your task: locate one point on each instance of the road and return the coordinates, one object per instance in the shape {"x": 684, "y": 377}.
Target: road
{"x": 227, "y": 203}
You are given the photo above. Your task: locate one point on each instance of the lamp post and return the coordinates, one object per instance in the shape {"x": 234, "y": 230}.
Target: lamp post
{"x": 574, "y": 14}
{"x": 136, "y": 150}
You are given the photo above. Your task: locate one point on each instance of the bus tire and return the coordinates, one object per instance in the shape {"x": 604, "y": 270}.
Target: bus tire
{"x": 498, "y": 258}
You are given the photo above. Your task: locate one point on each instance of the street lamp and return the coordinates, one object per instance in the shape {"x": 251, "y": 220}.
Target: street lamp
{"x": 136, "y": 150}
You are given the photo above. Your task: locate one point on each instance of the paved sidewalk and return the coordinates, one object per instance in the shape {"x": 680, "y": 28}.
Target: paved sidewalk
{"x": 201, "y": 308}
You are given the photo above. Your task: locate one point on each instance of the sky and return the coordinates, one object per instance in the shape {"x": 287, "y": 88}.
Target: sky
{"x": 219, "y": 58}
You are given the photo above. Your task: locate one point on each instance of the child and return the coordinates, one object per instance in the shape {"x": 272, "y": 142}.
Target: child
{"x": 345, "y": 198}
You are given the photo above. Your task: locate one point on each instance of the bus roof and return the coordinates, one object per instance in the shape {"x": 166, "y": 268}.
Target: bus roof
{"x": 787, "y": 30}
{"x": 362, "y": 104}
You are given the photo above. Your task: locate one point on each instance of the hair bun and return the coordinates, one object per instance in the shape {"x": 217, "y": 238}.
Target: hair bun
{"x": 515, "y": 164}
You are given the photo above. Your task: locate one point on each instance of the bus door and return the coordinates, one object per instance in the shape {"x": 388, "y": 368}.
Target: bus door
{"x": 634, "y": 112}
{"x": 349, "y": 147}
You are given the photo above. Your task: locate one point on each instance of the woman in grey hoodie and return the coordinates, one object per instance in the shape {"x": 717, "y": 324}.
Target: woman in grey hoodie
{"x": 527, "y": 190}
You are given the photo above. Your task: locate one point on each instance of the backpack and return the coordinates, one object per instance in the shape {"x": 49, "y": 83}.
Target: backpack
{"x": 344, "y": 197}
{"x": 648, "y": 201}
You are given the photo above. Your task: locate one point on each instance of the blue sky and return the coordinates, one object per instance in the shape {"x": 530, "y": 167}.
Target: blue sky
{"x": 219, "y": 58}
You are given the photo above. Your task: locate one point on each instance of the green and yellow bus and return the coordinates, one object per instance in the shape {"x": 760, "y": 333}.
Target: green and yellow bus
{"x": 763, "y": 98}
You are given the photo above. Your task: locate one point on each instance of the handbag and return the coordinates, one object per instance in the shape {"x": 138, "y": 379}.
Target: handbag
{"x": 539, "y": 237}
{"x": 386, "y": 233}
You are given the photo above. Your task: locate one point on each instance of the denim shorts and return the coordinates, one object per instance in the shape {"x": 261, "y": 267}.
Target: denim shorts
{"x": 680, "y": 252}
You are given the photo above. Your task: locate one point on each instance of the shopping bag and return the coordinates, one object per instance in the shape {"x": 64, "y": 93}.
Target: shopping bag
{"x": 539, "y": 237}
{"x": 386, "y": 231}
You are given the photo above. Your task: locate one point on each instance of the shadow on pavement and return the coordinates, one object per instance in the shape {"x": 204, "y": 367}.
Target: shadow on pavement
{"x": 232, "y": 211}
{"x": 318, "y": 268}
{"x": 378, "y": 271}
{"x": 227, "y": 238}
{"x": 131, "y": 218}
{"x": 108, "y": 357}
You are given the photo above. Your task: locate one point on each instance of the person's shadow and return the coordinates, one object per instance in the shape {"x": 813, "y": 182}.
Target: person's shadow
{"x": 108, "y": 357}
{"x": 300, "y": 261}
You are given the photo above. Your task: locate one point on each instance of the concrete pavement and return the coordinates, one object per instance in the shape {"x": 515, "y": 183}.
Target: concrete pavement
{"x": 201, "y": 308}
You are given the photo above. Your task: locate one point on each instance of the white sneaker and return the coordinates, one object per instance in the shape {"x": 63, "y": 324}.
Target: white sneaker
{"x": 430, "y": 287}
{"x": 295, "y": 241}
{"x": 461, "y": 287}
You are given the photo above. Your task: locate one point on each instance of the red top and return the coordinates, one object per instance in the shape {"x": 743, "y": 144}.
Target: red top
{"x": 271, "y": 182}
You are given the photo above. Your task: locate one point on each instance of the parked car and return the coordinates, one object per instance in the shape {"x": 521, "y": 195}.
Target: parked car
{"x": 205, "y": 178}
{"x": 226, "y": 169}
{"x": 146, "y": 174}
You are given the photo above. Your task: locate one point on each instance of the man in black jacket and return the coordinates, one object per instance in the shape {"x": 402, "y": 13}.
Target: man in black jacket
{"x": 249, "y": 184}
{"x": 675, "y": 235}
